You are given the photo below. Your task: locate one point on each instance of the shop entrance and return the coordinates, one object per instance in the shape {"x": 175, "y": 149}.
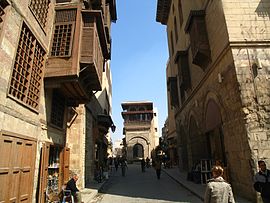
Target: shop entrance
{"x": 54, "y": 171}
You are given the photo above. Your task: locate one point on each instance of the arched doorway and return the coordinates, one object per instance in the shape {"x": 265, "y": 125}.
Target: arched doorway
{"x": 182, "y": 148}
{"x": 197, "y": 142}
{"x": 214, "y": 132}
{"x": 138, "y": 151}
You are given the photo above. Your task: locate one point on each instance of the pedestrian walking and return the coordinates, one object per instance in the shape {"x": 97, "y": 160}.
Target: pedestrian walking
{"x": 262, "y": 181}
{"x": 123, "y": 164}
{"x": 147, "y": 162}
{"x": 218, "y": 190}
{"x": 116, "y": 163}
{"x": 158, "y": 167}
{"x": 143, "y": 165}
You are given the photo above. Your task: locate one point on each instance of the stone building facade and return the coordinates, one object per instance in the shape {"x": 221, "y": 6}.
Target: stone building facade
{"x": 219, "y": 54}
{"x": 47, "y": 76}
{"x": 140, "y": 129}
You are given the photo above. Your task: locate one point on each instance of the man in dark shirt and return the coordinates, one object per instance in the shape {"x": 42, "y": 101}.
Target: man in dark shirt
{"x": 262, "y": 181}
{"x": 71, "y": 185}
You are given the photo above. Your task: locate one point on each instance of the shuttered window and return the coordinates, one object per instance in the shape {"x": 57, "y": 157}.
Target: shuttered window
{"x": 184, "y": 78}
{"x": 25, "y": 84}
{"x": 58, "y": 109}
{"x": 172, "y": 88}
{"x": 199, "y": 43}
{"x": 63, "y": 32}
{"x": 40, "y": 10}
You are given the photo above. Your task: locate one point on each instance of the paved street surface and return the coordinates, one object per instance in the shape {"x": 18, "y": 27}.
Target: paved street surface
{"x": 142, "y": 187}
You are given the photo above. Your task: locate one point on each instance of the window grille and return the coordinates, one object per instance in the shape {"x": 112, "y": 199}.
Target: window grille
{"x": 2, "y": 13}
{"x": 63, "y": 32}
{"x": 58, "y": 109}
{"x": 40, "y": 10}
{"x": 26, "y": 76}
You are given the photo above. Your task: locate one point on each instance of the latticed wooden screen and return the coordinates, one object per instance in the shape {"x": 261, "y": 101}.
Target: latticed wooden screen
{"x": 2, "y": 12}
{"x": 63, "y": 32}
{"x": 40, "y": 10}
{"x": 58, "y": 109}
{"x": 25, "y": 84}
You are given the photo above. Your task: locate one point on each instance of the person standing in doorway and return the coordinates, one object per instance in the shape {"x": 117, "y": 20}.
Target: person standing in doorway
{"x": 217, "y": 189}
{"x": 262, "y": 181}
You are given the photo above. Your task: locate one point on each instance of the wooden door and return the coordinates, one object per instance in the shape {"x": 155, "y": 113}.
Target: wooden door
{"x": 66, "y": 165}
{"x": 44, "y": 162}
{"x": 27, "y": 171}
{"x": 16, "y": 168}
{"x": 5, "y": 170}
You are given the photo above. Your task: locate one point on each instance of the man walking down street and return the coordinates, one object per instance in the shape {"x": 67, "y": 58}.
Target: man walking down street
{"x": 143, "y": 165}
{"x": 262, "y": 181}
{"x": 158, "y": 167}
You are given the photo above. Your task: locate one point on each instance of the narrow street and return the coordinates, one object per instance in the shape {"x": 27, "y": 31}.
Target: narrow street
{"x": 142, "y": 187}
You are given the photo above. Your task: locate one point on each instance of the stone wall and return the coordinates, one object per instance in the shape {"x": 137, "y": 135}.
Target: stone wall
{"x": 14, "y": 116}
{"x": 76, "y": 142}
{"x": 239, "y": 38}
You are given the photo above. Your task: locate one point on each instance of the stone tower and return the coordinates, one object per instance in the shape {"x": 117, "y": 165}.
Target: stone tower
{"x": 140, "y": 129}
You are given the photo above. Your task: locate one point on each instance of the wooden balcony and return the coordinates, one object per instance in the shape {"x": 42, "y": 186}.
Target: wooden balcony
{"x": 77, "y": 54}
{"x": 137, "y": 125}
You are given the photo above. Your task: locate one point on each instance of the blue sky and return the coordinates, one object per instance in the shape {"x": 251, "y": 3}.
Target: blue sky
{"x": 139, "y": 57}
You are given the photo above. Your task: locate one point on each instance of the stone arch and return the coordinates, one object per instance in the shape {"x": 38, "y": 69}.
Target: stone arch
{"x": 213, "y": 97}
{"x": 136, "y": 137}
{"x": 197, "y": 142}
{"x": 213, "y": 119}
{"x": 136, "y": 141}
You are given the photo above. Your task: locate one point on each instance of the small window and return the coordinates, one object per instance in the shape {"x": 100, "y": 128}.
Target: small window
{"x": 58, "y": 109}
{"x": 26, "y": 78}
{"x": 40, "y": 10}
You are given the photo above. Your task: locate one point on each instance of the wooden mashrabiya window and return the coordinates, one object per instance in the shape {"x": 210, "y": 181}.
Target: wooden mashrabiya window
{"x": 63, "y": 32}
{"x": 26, "y": 78}
{"x": 40, "y": 10}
